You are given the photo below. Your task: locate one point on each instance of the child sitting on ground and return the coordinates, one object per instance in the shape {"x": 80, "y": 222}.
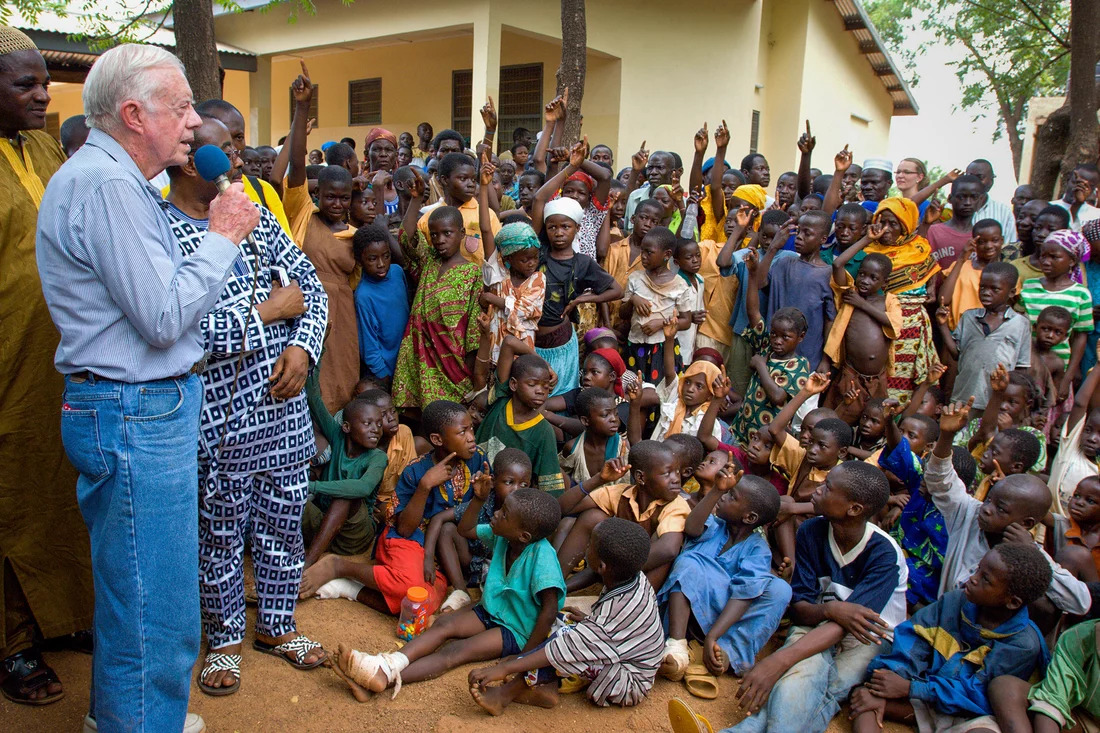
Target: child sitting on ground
{"x": 1068, "y": 693}
{"x": 582, "y": 457}
{"x": 401, "y": 449}
{"x": 652, "y": 296}
{"x": 523, "y": 593}
{"x": 861, "y": 340}
{"x": 722, "y": 584}
{"x": 777, "y": 377}
{"x": 922, "y": 534}
{"x": 514, "y": 419}
{"x": 755, "y": 457}
{"x": 1076, "y": 536}
{"x": 1013, "y": 506}
{"x": 1061, "y": 284}
{"x": 652, "y": 500}
{"x": 462, "y": 559}
{"x": 1079, "y": 445}
{"x": 684, "y": 398}
{"x": 962, "y": 289}
{"x": 514, "y": 287}
{"x": 986, "y": 336}
{"x": 339, "y": 516}
{"x": 870, "y": 433}
{"x": 615, "y": 648}
{"x": 381, "y": 303}
{"x": 802, "y": 282}
{"x": 931, "y": 673}
{"x": 902, "y": 458}
{"x": 848, "y": 593}
{"x": 438, "y": 481}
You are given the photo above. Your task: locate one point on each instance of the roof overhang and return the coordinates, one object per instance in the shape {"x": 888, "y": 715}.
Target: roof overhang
{"x": 873, "y": 48}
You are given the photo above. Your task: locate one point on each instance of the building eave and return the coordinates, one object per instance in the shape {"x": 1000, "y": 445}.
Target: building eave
{"x": 858, "y": 24}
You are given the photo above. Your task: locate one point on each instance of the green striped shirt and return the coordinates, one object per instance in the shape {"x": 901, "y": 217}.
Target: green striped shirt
{"x": 1076, "y": 299}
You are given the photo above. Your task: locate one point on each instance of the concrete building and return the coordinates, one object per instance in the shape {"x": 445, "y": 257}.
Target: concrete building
{"x": 654, "y": 72}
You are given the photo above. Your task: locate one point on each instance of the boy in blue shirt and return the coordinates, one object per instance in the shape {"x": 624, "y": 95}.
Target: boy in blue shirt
{"x": 381, "y": 303}
{"x": 848, "y": 592}
{"x": 522, "y": 594}
{"x": 943, "y": 659}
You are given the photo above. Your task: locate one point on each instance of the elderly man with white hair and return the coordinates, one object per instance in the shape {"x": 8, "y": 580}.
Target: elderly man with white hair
{"x": 129, "y": 308}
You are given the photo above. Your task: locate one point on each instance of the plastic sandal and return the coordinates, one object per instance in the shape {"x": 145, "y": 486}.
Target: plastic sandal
{"x": 686, "y": 720}
{"x": 216, "y": 661}
{"x": 299, "y": 645}
{"x": 572, "y": 684}
{"x": 700, "y": 682}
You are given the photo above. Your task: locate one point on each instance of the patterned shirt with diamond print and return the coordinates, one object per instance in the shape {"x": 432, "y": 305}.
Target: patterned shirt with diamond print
{"x": 263, "y": 433}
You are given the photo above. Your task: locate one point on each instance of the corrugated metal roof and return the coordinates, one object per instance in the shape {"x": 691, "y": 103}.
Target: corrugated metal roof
{"x": 857, "y": 23}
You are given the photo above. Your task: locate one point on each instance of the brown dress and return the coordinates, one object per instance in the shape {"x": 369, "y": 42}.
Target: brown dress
{"x": 44, "y": 550}
{"x": 331, "y": 254}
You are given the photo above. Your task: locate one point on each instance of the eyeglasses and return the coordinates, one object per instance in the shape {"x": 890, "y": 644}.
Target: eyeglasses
{"x": 232, "y": 153}
{"x": 900, "y": 172}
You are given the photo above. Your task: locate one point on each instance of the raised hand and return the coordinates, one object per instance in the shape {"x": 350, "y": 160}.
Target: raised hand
{"x": 441, "y": 472}
{"x": 485, "y": 175}
{"x": 554, "y": 110}
{"x": 728, "y": 477}
{"x": 310, "y": 124}
{"x": 613, "y": 197}
{"x": 998, "y": 379}
{"x": 721, "y": 386}
{"x": 955, "y": 416}
{"x": 484, "y": 323}
{"x": 807, "y": 141}
{"x": 301, "y": 88}
{"x": 671, "y": 326}
{"x": 702, "y": 139}
{"x": 578, "y": 153}
{"x": 722, "y": 135}
{"x": 943, "y": 313}
{"x": 752, "y": 261}
{"x": 489, "y": 116}
{"x": 816, "y": 383}
{"x": 891, "y": 408}
{"x": 639, "y": 159}
{"x": 381, "y": 179}
{"x": 416, "y": 188}
{"x": 953, "y": 175}
{"x": 842, "y": 161}
{"x": 483, "y": 484}
{"x": 934, "y": 211}
{"x": 936, "y": 372}
{"x": 998, "y": 472}
{"x": 614, "y": 470}
{"x": 875, "y": 231}
{"x": 744, "y": 216}
{"x": 633, "y": 390}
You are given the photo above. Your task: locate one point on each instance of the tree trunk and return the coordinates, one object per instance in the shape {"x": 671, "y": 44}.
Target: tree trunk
{"x": 1084, "y": 38}
{"x": 1015, "y": 142}
{"x": 574, "y": 59}
{"x": 1051, "y": 139}
{"x": 194, "y": 31}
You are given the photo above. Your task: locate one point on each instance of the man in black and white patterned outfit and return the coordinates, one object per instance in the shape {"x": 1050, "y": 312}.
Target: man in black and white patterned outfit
{"x": 255, "y": 434}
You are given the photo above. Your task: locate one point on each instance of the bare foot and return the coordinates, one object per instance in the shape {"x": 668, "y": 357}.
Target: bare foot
{"x": 785, "y": 569}
{"x": 318, "y": 574}
{"x": 490, "y": 698}
{"x": 539, "y": 696}
{"x": 352, "y": 665}
{"x": 358, "y": 691}
{"x": 222, "y": 677}
{"x": 716, "y": 661}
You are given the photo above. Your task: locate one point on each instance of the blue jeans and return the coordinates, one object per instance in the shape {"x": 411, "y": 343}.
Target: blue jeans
{"x": 807, "y": 697}
{"x": 136, "y": 448}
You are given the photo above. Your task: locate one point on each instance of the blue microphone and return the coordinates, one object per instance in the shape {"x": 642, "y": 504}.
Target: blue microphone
{"x": 213, "y": 166}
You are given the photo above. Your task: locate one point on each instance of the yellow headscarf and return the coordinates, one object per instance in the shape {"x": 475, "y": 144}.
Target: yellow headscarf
{"x": 911, "y": 255}
{"x": 697, "y": 367}
{"x": 753, "y": 195}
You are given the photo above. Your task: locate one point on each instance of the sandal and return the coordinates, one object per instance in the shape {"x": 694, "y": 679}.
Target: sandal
{"x": 26, "y": 673}
{"x": 215, "y": 662}
{"x": 700, "y": 682}
{"x": 300, "y": 646}
{"x": 686, "y": 720}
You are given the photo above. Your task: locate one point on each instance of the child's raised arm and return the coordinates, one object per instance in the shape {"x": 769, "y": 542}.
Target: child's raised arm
{"x": 752, "y": 293}
{"x": 638, "y": 163}
{"x": 935, "y": 374}
{"x": 633, "y": 394}
{"x": 874, "y": 233}
{"x": 726, "y": 479}
{"x": 551, "y": 114}
{"x": 1076, "y": 354}
{"x": 603, "y": 237}
{"x": 987, "y": 426}
{"x": 816, "y": 383}
{"x": 484, "y": 218}
{"x": 717, "y": 195}
{"x": 842, "y": 162}
{"x": 890, "y": 410}
{"x": 672, "y": 325}
{"x": 943, "y": 315}
{"x": 806, "y": 144}
{"x": 695, "y": 175}
{"x": 1082, "y": 402}
{"x": 922, "y": 195}
{"x": 482, "y": 484}
{"x": 554, "y": 184}
{"x": 719, "y": 391}
{"x": 301, "y": 89}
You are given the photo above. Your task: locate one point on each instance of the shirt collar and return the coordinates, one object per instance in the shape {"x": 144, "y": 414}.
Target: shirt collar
{"x": 99, "y": 139}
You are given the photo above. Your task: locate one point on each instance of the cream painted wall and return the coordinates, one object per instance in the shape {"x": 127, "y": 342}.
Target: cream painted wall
{"x": 235, "y": 91}
{"x": 784, "y": 36}
{"x": 65, "y": 100}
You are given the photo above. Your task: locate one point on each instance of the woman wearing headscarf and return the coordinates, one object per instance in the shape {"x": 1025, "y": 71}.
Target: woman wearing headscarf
{"x": 381, "y": 152}
{"x": 912, "y": 280}
{"x": 587, "y": 183}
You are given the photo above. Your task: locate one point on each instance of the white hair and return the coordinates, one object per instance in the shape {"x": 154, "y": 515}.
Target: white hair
{"x": 122, "y": 74}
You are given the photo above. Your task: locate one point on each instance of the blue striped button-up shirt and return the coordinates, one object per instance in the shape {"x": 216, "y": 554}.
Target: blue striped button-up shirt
{"x": 128, "y": 305}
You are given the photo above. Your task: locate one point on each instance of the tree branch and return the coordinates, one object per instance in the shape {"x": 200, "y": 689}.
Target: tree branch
{"x": 1063, "y": 42}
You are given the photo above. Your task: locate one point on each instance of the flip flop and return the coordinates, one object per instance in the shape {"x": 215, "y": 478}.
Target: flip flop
{"x": 216, "y": 661}
{"x": 300, "y": 646}
{"x": 700, "y": 682}
{"x": 686, "y": 720}
{"x": 572, "y": 684}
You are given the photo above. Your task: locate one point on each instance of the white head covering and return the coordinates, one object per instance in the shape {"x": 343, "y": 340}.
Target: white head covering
{"x": 563, "y": 206}
{"x": 878, "y": 164}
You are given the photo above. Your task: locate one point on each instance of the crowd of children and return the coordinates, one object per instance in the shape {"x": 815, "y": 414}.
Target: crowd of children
{"x": 858, "y": 427}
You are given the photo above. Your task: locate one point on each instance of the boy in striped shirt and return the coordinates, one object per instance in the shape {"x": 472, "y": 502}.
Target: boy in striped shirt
{"x": 615, "y": 649}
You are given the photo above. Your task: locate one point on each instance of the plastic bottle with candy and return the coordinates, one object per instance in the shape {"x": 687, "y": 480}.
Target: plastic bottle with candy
{"x": 414, "y": 613}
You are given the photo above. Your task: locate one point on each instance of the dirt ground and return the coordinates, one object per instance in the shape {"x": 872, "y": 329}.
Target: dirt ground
{"x": 275, "y": 697}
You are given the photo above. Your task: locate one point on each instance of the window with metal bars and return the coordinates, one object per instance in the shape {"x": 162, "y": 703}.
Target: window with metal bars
{"x": 520, "y": 103}
{"x": 462, "y": 92}
{"x": 365, "y": 102}
{"x": 754, "y": 132}
{"x": 313, "y": 104}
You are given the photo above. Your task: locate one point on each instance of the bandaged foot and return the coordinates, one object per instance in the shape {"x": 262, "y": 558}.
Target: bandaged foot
{"x": 676, "y": 660}
{"x": 458, "y": 600}
{"x": 340, "y": 588}
{"x": 376, "y": 672}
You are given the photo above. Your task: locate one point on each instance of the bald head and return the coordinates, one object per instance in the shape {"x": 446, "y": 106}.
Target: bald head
{"x": 1026, "y": 494}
